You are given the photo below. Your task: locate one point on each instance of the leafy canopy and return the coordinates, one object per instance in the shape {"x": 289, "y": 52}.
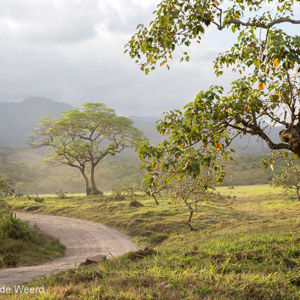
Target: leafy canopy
{"x": 265, "y": 95}
{"x": 81, "y": 138}
{"x": 288, "y": 178}
{"x": 178, "y": 22}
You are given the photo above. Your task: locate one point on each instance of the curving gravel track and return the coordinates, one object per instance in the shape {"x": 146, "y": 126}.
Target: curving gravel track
{"x": 81, "y": 238}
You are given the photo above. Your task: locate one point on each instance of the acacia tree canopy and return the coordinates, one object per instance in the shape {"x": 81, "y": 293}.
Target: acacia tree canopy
{"x": 81, "y": 138}
{"x": 265, "y": 95}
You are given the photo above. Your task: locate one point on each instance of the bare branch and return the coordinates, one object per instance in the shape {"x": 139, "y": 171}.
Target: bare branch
{"x": 259, "y": 25}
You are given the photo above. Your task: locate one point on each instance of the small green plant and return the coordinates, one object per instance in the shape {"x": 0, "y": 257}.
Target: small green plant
{"x": 92, "y": 191}
{"x": 38, "y": 199}
{"x": 135, "y": 203}
{"x": 118, "y": 193}
{"x": 19, "y": 195}
{"x": 14, "y": 228}
{"x": 192, "y": 192}
{"x": 61, "y": 194}
{"x": 97, "y": 192}
{"x": 131, "y": 191}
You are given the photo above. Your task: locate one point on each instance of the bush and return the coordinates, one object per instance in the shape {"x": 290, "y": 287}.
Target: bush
{"x": 11, "y": 259}
{"x": 14, "y": 228}
{"x": 2, "y": 264}
{"x": 38, "y": 199}
{"x": 135, "y": 203}
{"x": 4, "y": 208}
{"x": 97, "y": 192}
{"x": 7, "y": 186}
{"x": 118, "y": 193}
{"x": 61, "y": 194}
{"x": 19, "y": 195}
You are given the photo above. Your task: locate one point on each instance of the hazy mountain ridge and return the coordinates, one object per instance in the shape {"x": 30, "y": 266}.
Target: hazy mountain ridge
{"x": 19, "y": 119}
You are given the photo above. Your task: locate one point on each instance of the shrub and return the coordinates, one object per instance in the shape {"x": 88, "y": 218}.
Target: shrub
{"x": 61, "y": 194}
{"x": 14, "y": 228}
{"x": 135, "y": 203}
{"x": 4, "y": 208}
{"x": 6, "y": 186}
{"x": 11, "y": 259}
{"x": 2, "y": 263}
{"x": 38, "y": 199}
{"x": 118, "y": 193}
{"x": 97, "y": 192}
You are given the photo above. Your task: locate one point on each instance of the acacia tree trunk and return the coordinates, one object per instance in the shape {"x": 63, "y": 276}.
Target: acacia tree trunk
{"x": 298, "y": 187}
{"x": 87, "y": 184}
{"x": 93, "y": 182}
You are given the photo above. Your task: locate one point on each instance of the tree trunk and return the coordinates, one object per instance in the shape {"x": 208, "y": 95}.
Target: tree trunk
{"x": 298, "y": 193}
{"x": 87, "y": 184}
{"x": 190, "y": 220}
{"x": 155, "y": 199}
{"x": 93, "y": 182}
{"x": 232, "y": 184}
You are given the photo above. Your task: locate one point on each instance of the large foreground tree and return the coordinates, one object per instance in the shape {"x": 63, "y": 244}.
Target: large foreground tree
{"x": 81, "y": 138}
{"x": 265, "y": 95}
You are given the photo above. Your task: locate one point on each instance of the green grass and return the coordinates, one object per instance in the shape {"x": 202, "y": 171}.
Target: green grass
{"x": 247, "y": 248}
{"x": 21, "y": 245}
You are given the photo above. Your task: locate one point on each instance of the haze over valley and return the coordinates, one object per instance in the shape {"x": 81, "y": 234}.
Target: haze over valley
{"x": 25, "y": 164}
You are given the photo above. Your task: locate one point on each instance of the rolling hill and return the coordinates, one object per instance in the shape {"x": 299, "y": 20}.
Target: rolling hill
{"x": 19, "y": 119}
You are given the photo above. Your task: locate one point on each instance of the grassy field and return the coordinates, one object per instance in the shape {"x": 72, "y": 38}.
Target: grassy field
{"x": 246, "y": 248}
{"x": 24, "y": 246}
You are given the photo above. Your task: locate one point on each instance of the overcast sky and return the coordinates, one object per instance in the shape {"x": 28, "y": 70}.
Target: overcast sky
{"x": 72, "y": 51}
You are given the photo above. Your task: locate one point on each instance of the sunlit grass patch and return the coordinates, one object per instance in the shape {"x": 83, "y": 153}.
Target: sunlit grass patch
{"x": 248, "y": 248}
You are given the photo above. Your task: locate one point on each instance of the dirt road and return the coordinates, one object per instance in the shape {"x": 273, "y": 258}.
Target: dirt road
{"x": 81, "y": 238}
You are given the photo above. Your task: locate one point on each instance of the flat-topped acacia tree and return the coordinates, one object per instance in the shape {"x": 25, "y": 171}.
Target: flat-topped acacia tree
{"x": 265, "y": 95}
{"x": 81, "y": 138}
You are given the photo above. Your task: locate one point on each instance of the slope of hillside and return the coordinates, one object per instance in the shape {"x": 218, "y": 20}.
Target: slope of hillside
{"x": 19, "y": 119}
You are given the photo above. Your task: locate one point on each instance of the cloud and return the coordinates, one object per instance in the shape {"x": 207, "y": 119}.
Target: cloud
{"x": 66, "y": 21}
{"x": 123, "y": 17}
{"x": 72, "y": 51}
{"x": 49, "y": 21}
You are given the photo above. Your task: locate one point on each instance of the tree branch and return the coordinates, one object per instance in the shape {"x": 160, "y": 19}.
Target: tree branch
{"x": 259, "y": 25}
